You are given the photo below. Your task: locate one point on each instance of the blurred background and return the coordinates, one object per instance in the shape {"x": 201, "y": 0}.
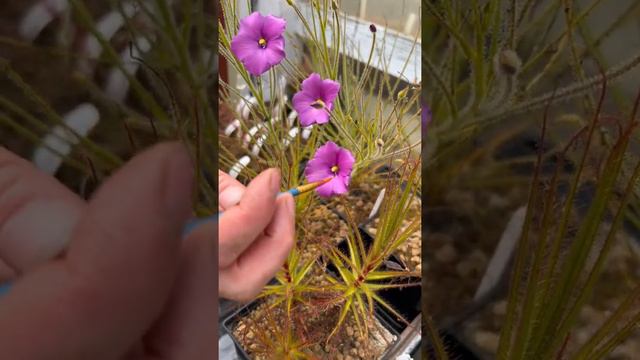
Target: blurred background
{"x": 480, "y": 161}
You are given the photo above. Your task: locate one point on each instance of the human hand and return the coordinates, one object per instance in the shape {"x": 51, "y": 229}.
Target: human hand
{"x": 256, "y": 233}
{"x": 111, "y": 277}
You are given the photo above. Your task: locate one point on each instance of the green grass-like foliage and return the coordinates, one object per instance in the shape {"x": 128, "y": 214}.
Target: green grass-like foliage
{"x": 181, "y": 58}
{"x": 492, "y": 65}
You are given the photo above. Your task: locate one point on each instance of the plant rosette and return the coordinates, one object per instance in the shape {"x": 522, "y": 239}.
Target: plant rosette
{"x": 260, "y": 330}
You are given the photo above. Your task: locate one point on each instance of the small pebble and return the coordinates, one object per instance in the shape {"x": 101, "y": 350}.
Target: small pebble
{"x": 487, "y": 340}
{"x": 446, "y": 253}
{"x": 500, "y": 308}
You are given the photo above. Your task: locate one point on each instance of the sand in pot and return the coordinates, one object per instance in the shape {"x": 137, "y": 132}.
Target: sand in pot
{"x": 310, "y": 331}
{"x": 318, "y": 228}
{"x": 360, "y": 198}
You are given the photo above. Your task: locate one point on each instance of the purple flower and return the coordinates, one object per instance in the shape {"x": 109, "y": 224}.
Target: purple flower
{"x": 259, "y": 44}
{"x": 330, "y": 160}
{"x": 426, "y": 117}
{"x": 314, "y": 101}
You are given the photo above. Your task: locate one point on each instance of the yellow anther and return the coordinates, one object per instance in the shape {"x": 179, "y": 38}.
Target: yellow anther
{"x": 335, "y": 168}
{"x": 319, "y": 104}
{"x": 262, "y": 42}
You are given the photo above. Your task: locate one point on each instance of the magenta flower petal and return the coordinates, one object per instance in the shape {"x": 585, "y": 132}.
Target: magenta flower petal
{"x": 250, "y": 25}
{"x": 273, "y": 27}
{"x": 345, "y": 162}
{"x": 318, "y": 173}
{"x": 330, "y": 160}
{"x": 312, "y": 85}
{"x": 259, "y": 43}
{"x": 314, "y": 116}
{"x": 330, "y": 89}
{"x": 333, "y": 187}
{"x": 315, "y": 99}
{"x": 303, "y": 100}
{"x": 325, "y": 190}
{"x": 426, "y": 116}
{"x": 257, "y": 62}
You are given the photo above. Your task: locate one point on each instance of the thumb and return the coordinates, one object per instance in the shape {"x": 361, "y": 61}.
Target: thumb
{"x": 100, "y": 299}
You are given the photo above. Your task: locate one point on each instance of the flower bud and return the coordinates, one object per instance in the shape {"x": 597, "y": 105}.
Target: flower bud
{"x": 380, "y": 142}
{"x": 334, "y": 5}
{"x": 507, "y": 62}
{"x": 403, "y": 93}
{"x": 373, "y": 28}
{"x": 291, "y": 3}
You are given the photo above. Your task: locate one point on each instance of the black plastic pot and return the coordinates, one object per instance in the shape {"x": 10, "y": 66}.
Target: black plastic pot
{"x": 454, "y": 346}
{"x": 406, "y": 301}
{"x": 230, "y": 322}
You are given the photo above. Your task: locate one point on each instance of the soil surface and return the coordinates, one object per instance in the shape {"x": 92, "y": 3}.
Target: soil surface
{"x": 359, "y": 200}
{"x": 410, "y": 252}
{"x": 313, "y": 327}
{"x": 319, "y": 228}
{"x": 619, "y": 276}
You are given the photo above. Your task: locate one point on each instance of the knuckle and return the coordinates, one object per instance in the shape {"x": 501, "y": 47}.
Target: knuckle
{"x": 247, "y": 293}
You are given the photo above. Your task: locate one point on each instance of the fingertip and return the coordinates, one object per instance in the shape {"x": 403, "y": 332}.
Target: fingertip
{"x": 274, "y": 179}
{"x": 290, "y": 203}
{"x": 230, "y": 196}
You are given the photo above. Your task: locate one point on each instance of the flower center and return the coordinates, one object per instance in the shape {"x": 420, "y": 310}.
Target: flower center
{"x": 318, "y": 104}
{"x": 334, "y": 169}
{"x": 262, "y": 42}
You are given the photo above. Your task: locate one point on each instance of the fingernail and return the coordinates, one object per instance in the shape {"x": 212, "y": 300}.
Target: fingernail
{"x": 274, "y": 180}
{"x": 179, "y": 181}
{"x": 231, "y": 196}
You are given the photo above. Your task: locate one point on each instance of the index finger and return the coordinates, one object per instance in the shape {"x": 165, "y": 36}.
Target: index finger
{"x": 37, "y": 215}
{"x": 242, "y": 224}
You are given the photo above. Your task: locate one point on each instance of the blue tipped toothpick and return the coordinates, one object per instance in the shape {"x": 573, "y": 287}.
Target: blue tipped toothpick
{"x": 298, "y": 190}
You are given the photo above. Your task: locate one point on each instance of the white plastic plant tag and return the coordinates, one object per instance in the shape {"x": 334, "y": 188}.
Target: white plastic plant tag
{"x": 39, "y": 16}
{"x": 376, "y": 205}
{"x": 292, "y": 134}
{"x": 306, "y": 132}
{"x": 239, "y": 166}
{"x": 291, "y": 118}
{"x": 107, "y": 26}
{"x": 81, "y": 120}
{"x": 252, "y": 132}
{"x": 258, "y": 145}
{"x": 232, "y": 127}
{"x": 117, "y": 85}
{"x": 503, "y": 253}
{"x": 246, "y": 110}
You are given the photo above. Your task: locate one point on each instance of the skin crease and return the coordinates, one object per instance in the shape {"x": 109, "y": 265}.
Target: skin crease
{"x": 111, "y": 277}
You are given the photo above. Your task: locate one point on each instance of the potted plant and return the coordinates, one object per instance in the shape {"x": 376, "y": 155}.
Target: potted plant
{"x": 334, "y": 296}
